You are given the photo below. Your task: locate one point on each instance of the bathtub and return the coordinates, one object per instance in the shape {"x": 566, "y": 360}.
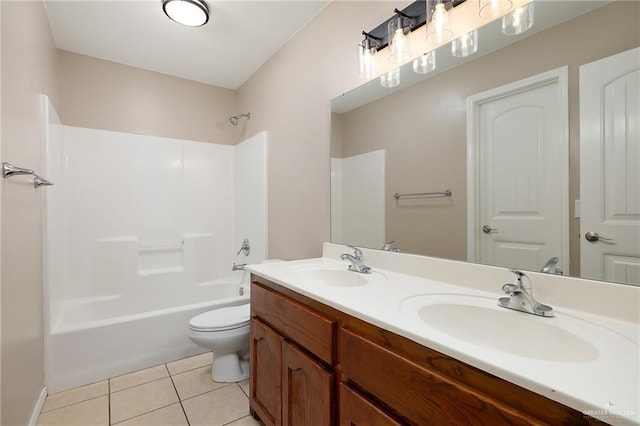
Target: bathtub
{"x": 97, "y": 338}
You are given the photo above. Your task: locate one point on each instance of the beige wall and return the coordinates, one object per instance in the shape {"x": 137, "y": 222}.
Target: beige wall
{"x": 87, "y": 92}
{"x": 105, "y": 95}
{"x": 423, "y": 128}
{"x": 289, "y": 96}
{"x": 28, "y": 69}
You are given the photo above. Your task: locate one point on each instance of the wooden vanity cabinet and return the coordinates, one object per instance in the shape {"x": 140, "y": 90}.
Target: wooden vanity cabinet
{"x": 314, "y": 365}
{"x": 292, "y": 355}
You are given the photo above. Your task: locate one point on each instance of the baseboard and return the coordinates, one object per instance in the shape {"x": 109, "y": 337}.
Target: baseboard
{"x": 38, "y": 408}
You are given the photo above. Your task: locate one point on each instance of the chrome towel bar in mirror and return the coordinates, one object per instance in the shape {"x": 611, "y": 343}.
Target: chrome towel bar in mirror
{"x": 445, "y": 193}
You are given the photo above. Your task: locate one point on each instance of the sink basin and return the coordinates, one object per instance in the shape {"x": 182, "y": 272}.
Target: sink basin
{"x": 478, "y": 321}
{"x": 333, "y": 277}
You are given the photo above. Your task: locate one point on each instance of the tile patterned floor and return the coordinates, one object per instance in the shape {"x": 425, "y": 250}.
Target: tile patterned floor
{"x": 179, "y": 393}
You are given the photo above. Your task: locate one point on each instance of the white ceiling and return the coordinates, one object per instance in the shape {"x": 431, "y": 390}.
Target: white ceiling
{"x": 239, "y": 37}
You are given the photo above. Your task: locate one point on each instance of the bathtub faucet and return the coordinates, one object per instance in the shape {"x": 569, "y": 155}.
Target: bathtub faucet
{"x": 238, "y": 267}
{"x": 245, "y": 248}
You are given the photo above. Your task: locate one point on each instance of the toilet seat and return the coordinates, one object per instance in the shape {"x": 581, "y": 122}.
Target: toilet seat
{"x": 222, "y": 319}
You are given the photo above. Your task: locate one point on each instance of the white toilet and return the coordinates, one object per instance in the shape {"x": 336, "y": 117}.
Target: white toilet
{"x": 225, "y": 331}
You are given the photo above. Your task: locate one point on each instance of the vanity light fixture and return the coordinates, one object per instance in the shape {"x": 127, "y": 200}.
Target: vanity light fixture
{"x": 437, "y": 16}
{"x": 393, "y": 33}
{"x": 425, "y": 63}
{"x": 465, "y": 45}
{"x": 439, "y": 21}
{"x": 518, "y": 21}
{"x": 192, "y": 13}
{"x": 399, "y": 46}
{"x": 366, "y": 54}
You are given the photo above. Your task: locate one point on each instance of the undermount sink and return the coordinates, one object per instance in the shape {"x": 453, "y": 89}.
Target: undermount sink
{"x": 478, "y": 321}
{"x": 334, "y": 277}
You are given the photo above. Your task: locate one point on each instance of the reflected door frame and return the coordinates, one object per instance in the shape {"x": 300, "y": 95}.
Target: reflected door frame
{"x": 558, "y": 77}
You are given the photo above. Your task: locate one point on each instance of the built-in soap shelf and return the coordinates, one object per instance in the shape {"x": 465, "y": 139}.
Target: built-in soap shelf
{"x": 157, "y": 257}
{"x": 160, "y": 246}
{"x": 160, "y": 257}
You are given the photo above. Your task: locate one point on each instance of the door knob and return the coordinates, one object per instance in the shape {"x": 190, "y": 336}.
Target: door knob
{"x": 487, "y": 229}
{"x": 592, "y": 237}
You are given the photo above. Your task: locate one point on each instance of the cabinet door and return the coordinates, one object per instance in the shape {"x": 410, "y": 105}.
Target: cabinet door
{"x": 266, "y": 373}
{"x": 307, "y": 389}
{"x": 355, "y": 410}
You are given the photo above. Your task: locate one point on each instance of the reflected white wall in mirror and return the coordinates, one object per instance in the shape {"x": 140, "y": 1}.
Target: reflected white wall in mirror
{"x": 357, "y": 199}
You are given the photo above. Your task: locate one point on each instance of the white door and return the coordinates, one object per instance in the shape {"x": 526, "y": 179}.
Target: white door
{"x": 609, "y": 168}
{"x": 518, "y": 173}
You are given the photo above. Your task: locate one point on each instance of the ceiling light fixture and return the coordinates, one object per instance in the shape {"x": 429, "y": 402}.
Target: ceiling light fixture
{"x": 192, "y": 13}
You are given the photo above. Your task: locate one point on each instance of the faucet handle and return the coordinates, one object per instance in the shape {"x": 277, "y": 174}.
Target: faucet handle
{"x": 509, "y": 288}
{"x": 357, "y": 253}
{"x": 519, "y": 276}
{"x": 518, "y": 273}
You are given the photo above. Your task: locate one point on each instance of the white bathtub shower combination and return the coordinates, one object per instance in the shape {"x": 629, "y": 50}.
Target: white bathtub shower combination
{"x": 140, "y": 236}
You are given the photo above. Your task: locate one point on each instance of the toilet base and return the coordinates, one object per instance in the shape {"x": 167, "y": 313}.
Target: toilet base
{"x": 230, "y": 368}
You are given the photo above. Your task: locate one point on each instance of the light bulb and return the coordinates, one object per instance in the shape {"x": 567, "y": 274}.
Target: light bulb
{"x": 367, "y": 60}
{"x": 399, "y": 47}
{"x": 426, "y": 63}
{"x": 494, "y": 8}
{"x": 439, "y": 30}
{"x": 399, "y": 40}
{"x": 440, "y": 20}
{"x": 518, "y": 21}
{"x": 465, "y": 45}
{"x": 391, "y": 78}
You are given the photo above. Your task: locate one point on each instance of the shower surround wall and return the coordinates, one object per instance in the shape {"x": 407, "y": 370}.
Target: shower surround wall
{"x": 141, "y": 234}
{"x": 358, "y": 199}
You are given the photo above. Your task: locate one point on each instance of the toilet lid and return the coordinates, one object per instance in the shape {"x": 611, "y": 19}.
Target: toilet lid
{"x": 222, "y": 319}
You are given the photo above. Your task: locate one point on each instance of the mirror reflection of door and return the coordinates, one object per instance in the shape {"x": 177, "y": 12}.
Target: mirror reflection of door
{"x": 610, "y": 168}
{"x": 518, "y": 173}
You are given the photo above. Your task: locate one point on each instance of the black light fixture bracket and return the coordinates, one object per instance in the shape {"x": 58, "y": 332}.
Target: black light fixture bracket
{"x": 370, "y": 41}
{"x": 416, "y": 12}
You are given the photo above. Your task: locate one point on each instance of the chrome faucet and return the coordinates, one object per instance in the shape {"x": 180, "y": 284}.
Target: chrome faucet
{"x": 387, "y": 247}
{"x": 521, "y": 298}
{"x": 357, "y": 261}
{"x": 238, "y": 267}
{"x": 548, "y": 267}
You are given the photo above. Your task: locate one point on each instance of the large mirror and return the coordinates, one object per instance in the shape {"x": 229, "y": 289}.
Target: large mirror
{"x": 415, "y": 139}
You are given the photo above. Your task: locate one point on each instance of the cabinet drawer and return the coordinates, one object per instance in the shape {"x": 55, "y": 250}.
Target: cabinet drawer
{"x": 415, "y": 393}
{"x": 306, "y": 327}
{"x": 355, "y": 410}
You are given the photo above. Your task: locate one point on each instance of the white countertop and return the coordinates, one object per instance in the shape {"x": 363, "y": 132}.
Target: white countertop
{"x": 601, "y": 378}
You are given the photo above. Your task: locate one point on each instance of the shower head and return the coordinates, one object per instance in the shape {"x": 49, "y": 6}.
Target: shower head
{"x": 236, "y": 118}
